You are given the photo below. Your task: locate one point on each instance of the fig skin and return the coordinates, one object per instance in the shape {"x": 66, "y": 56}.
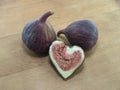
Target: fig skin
{"x": 38, "y": 35}
{"x": 83, "y": 33}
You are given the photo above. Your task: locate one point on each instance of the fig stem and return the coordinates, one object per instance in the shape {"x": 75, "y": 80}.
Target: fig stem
{"x": 46, "y": 15}
{"x": 60, "y": 32}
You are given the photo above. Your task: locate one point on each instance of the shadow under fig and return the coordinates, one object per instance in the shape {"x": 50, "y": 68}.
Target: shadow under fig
{"x": 31, "y": 53}
{"x": 118, "y": 2}
{"x": 91, "y": 52}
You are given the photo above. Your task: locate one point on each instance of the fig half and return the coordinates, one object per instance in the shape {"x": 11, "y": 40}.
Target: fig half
{"x": 65, "y": 59}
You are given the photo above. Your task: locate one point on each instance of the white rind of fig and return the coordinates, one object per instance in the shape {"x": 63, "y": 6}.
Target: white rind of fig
{"x": 69, "y": 50}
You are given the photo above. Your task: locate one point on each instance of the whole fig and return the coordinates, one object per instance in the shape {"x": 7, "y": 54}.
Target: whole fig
{"x": 38, "y": 35}
{"x": 82, "y": 33}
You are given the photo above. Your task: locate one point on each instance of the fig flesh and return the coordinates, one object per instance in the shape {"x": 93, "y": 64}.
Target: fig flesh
{"x": 82, "y": 33}
{"x": 65, "y": 59}
{"x": 38, "y": 35}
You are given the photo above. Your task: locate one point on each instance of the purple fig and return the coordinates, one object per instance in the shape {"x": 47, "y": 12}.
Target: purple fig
{"x": 82, "y": 33}
{"x": 39, "y": 34}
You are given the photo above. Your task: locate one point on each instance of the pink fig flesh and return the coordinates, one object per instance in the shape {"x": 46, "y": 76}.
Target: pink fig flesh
{"x": 65, "y": 61}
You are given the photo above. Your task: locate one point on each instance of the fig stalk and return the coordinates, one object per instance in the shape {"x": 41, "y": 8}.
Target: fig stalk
{"x": 60, "y": 32}
{"x": 45, "y": 16}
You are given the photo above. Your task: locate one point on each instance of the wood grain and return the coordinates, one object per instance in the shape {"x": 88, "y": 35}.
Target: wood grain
{"x": 20, "y": 70}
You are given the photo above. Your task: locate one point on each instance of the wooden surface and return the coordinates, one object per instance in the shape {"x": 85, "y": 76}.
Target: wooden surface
{"x": 20, "y": 70}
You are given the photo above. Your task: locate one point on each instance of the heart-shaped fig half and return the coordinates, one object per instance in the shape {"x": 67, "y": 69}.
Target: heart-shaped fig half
{"x": 65, "y": 59}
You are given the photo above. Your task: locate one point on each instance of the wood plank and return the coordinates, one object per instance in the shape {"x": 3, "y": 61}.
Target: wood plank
{"x": 15, "y": 14}
{"x": 15, "y": 58}
{"x": 101, "y": 71}
{"x": 45, "y": 78}
{"x": 20, "y": 70}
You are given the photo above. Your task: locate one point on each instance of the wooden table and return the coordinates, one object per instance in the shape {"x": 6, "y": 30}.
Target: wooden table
{"x": 22, "y": 71}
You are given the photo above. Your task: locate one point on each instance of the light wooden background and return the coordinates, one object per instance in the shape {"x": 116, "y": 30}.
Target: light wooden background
{"x": 22, "y": 71}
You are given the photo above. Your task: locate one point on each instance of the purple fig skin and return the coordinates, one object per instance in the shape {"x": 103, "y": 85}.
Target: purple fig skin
{"x": 39, "y": 34}
{"x": 82, "y": 33}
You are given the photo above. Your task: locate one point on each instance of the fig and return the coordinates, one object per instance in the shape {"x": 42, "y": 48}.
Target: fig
{"x": 66, "y": 59}
{"x": 82, "y": 33}
{"x": 38, "y": 34}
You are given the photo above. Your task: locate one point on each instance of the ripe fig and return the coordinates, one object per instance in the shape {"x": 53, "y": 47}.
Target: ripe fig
{"x": 83, "y": 33}
{"x": 38, "y": 35}
{"x": 65, "y": 59}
